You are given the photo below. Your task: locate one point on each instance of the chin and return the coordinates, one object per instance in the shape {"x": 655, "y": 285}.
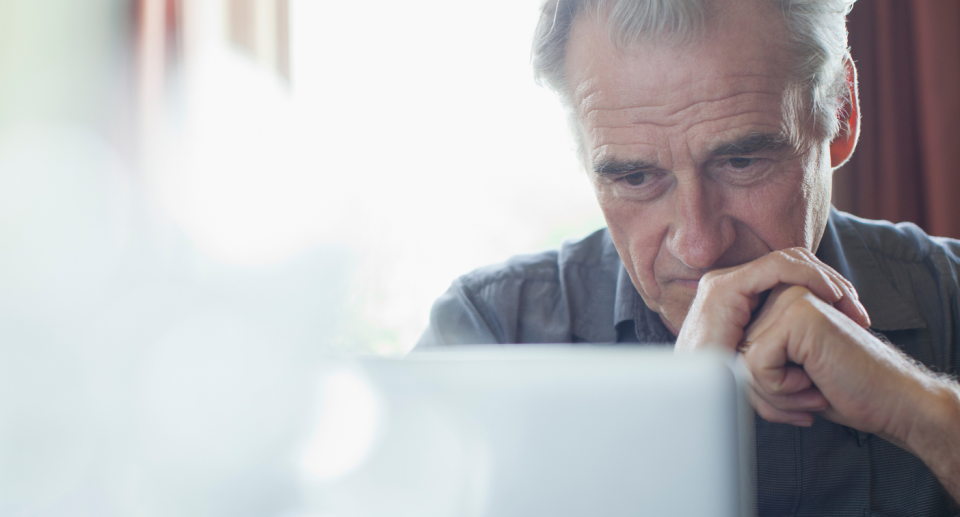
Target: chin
{"x": 675, "y": 313}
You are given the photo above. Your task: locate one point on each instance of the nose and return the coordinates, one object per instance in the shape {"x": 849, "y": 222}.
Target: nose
{"x": 701, "y": 232}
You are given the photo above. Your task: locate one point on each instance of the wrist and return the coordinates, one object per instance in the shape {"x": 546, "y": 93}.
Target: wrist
{"x": 932, "y": 432}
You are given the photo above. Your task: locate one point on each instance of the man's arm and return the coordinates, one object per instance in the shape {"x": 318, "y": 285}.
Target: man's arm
{"x": 935, "y": 435}
{"x": 455, "y": 320}
{"x": 809, "y": 352}
{"x": 862, "y": 382}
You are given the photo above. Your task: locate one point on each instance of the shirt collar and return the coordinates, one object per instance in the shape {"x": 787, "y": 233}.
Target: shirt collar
{"x": 601, "y": 296}
{"x": 627, "y": 298}
{"x": 590, "y": 280}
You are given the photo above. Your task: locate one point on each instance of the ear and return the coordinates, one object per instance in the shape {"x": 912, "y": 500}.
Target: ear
{"x": 841, "y": 148}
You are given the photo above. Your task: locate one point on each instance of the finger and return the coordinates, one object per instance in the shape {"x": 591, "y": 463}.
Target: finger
{"x": 849, "y": 303}
{"x": 785, "y": 386}
{"x": 783, "y": 380}
{"x": 772, "y": 370}
{"x": 761, "y": 319}
{"x": 803, "y": 399}
{"x": 810, "y": 399}
{"x": 854, "y": 310}
{"x": 777, "y": 416}
{"x": 766, "y": 358}
{"x": 785, "y": 267}
{"x": 727, "y": 298}
{"x": 833, "y": 273}
{"x": 720, "y": 314}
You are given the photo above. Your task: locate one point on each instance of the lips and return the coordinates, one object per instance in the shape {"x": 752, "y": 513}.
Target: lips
{"x": 690, "y": 283}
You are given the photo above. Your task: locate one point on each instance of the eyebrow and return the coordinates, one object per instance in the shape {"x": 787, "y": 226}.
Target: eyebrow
{"x": 753, "y": 143}
{"x": 615, "y": 167}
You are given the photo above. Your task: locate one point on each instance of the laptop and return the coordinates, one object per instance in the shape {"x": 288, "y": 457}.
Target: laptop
{"x": 531, "y": 430}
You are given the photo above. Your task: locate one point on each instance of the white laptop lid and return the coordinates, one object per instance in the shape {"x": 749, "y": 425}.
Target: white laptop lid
{"x": 534, "y": 430}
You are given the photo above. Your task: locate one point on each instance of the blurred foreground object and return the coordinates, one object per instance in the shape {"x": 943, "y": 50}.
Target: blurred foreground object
{"x": 532, "y": 430}
{"x": 138, "y": 374}
{"x": 192, "y": 214}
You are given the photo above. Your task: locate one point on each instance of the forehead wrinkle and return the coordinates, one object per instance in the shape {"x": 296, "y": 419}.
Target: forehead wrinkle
{"x": 605, "y": 138}
{"x": 699, "y": 105}
{"x": 588, "y": 91}
{"x": 734, "y": 121}
{"x": 637, "y": 145}
{"x": 624, "y": 141}
{"x": 628, "y": 116}
{"x": 592, "y": 97}
{"x": 744, "y": 128}
{"x": 632, "y": 126}
{"x": 624, "y": 135}
{"x": 607, "y": 152}
{"x": 698, "y": 149}
{"x": 601, "y": 136}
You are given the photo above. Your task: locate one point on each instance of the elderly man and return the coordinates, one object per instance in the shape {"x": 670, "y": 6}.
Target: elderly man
{"x": 710, "y": 130}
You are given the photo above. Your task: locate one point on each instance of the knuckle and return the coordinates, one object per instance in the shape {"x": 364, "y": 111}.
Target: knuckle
{"x": 790, "y": 295}
{"x": 799, "y": 292}
{"x": 799, "y": 301}
{"x": 778, "y": 386}
{"x": 768, "y": 385}
{"x": 807, "y": 309}
{"x": 783, "y": 254}
{"x": 804, "y": 252}
{"x": 788, "y": 258}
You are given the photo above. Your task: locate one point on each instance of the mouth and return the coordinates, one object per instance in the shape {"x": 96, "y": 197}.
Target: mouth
{"x": 687, "y": 283}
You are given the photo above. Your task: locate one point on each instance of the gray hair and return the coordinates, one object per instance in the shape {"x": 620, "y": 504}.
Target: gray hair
{"x": 816, "y": 34}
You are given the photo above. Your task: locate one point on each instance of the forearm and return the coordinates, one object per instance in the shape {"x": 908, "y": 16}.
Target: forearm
{"x": 934, "y": 433}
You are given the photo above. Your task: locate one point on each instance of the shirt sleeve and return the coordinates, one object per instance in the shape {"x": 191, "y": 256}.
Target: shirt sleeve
{"x": 456, "y": 320}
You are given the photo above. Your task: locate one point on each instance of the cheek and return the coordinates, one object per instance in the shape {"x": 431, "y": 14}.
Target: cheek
{"x": 637, "y": 233}
{"x": 777, "y": 213}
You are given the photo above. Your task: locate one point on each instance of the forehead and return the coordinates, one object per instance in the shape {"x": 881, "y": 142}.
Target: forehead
{"x": 739, "y": 65}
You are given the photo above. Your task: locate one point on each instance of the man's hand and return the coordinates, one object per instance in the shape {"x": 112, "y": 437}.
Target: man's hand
{"x": 808, "y": 352}
{"x": 805, "y": 355}
{"x": 727, "y": 298}
{"x": 725, "y": 305}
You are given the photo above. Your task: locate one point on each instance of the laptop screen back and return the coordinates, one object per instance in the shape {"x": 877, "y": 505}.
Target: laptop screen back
{"x": 560, "y": 431}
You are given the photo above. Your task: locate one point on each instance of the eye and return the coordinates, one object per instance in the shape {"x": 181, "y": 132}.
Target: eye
{"x": 740, "y": 162}
{"x": 637, "y": 178}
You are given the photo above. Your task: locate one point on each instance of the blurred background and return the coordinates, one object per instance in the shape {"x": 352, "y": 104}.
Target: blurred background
{"x": 200, "y": 200}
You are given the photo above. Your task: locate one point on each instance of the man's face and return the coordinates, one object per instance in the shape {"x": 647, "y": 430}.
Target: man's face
{"x": 688, "y": 152}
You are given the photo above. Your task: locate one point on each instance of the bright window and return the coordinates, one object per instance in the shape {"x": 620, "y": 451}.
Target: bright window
{"x": 411, "y": 136}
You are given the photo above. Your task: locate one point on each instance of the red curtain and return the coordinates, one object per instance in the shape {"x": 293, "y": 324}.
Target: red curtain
{"x": 907, "y": 163}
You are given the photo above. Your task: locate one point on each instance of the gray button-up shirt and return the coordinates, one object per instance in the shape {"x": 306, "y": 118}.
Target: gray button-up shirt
{"x": 907, "y": 281}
